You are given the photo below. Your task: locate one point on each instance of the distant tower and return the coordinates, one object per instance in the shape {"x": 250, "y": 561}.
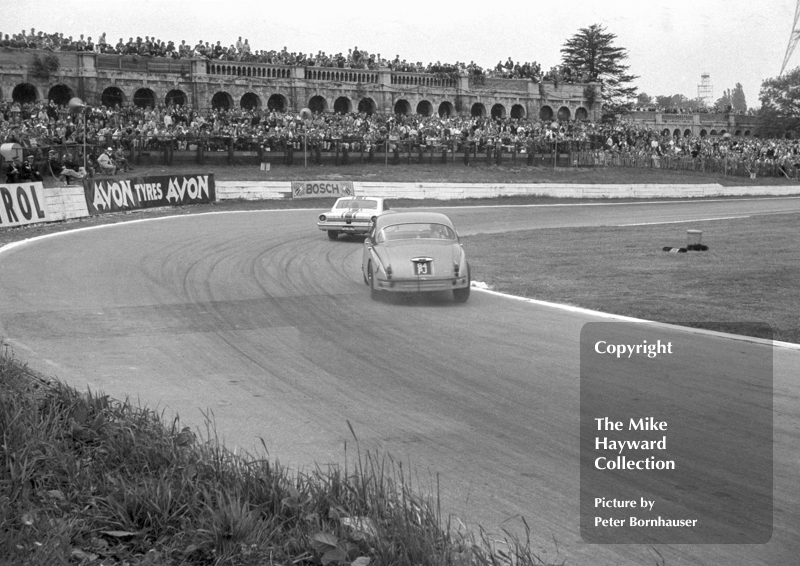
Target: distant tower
{"x": 705, "y": 90}
{"x": 793, "y": 38}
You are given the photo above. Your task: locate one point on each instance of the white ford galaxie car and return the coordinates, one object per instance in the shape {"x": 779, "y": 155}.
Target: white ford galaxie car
{"x": 352, "y": 215}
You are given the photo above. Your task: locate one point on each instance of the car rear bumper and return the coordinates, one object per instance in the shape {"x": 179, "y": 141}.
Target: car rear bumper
{"x": 421, "y": 285}
{"x": 352, "y": 228}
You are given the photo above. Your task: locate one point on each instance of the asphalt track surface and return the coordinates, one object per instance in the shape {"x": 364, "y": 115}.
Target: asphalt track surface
{"x": 260, "y": 320}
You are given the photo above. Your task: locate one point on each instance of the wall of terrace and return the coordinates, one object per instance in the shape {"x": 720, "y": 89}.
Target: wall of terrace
{"x": 128, "y": 80}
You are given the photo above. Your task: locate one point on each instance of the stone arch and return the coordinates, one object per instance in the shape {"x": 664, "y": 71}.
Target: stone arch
{"x": 402, "y": 106}
{"x": 250, "y": 101}
{"x": 112, "y": 97}
{"x": 582, "y": 114}
{"x": 723, "y": 132}
{"x": 144, "y": 98}
{"x": 25, "y": 93}
{"x": 221, "y": 101}
{"x": 676, "y": 133}
{"x": 666, "y": 132}
{"x": 518, "y": 112}
{"x": 478, "y": 110}
{"x": 687, "y": 133}
{"x": 738, "y": 133}
{"x": 546, "y": 113}
{"x": 277, "y": 102}
{"x": 176, "y": 98}
{"x": 446, "y": 109}
{"x": 703, "y": 133}
{"x": 498, "y": 111}
{"x": 342, "y": 105}
{"x": 60, "y": 94}
{"x": 318, "y": 104}
{"x": 713, "y": 133}
{"x": 564, "y": 113}
{"x": 424, "y": 108}
{"x": 366, "y": 105}
{"x": 747, "y": 133}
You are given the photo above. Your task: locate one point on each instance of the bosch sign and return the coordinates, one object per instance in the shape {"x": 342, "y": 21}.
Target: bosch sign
{"x": 322, "y": 189}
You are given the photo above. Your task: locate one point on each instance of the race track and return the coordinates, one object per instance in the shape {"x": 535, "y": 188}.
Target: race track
{"x": 258, "y": 318}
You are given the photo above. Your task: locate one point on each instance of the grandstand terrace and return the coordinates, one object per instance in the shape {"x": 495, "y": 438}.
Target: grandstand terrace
{"x": 182, "y": 105}
{"x": 702, "y": 124}
{"x": 28, "y": 75}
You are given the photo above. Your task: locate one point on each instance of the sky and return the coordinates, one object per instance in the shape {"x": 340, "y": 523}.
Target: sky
{"x": 670, "y": 43}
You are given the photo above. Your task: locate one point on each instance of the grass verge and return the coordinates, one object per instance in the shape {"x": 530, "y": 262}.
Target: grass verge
{"x": 748, "y": 274}
{"x": 89, "y": 480}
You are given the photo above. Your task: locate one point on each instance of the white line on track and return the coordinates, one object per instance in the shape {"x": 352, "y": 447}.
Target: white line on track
{"x": 478, "y": 286}
{"x": 683, "y": 221}
{"x": 475, "y": 285}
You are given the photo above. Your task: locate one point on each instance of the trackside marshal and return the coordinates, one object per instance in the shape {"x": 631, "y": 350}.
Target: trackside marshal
{"x": 110, "y": 194}
{"x": 316, "y": 189}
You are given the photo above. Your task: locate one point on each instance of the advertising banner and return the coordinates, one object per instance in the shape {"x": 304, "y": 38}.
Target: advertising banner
{"x": 111, "y": 194}
{"x": 317, "y": 189}
{"x": 22, "y": 203}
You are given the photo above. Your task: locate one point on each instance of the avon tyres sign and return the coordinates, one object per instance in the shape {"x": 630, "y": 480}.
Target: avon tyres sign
{"x": 109, "y": 194}
{"x": 22, "y": 204}
{"x": 316, "y": 189}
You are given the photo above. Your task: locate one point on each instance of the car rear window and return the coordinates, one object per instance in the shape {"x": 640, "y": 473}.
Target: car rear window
{"x": 358, "y": 204}
{"x": 422, "y": 230}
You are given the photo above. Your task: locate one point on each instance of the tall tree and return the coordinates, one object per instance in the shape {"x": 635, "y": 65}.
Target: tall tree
{"x": 724, "y": 101}
{"x": 676, "y": 101}
{"x": 780, "y": 103}
{"x": 591, "y": 52}
{"x": 738, "y": 100}
{"x": 665, "y": 101}
{"x": 644, "y": 99}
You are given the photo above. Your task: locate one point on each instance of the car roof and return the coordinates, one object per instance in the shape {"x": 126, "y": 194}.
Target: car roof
{"x": 413, "y": 217}
{"x": 359, "y": 198}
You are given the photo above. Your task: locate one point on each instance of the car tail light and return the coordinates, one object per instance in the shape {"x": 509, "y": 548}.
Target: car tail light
{"x": 456, "y": 267}
{"x": 373, "y": 219}
{"x": 388, "y": 272}
{"x": 322, "y": 218}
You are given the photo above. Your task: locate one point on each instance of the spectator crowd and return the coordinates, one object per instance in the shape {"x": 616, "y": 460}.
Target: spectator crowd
{"x": 45, "y": 125}
{"x": 242, "y": 50}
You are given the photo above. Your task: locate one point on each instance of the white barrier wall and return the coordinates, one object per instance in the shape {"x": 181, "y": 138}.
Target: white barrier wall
{"x": 448, "y": 191}
{"x": 227, "y": 190}
{"x": 31, "y": 203}
{"x": 66, "y": 203}
{"x": 253, "y": 190}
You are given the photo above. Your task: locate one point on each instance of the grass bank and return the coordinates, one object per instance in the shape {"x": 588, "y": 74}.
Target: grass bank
{"x": 89, "y": 480}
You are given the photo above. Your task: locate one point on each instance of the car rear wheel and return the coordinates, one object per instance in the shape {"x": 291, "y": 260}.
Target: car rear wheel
{"x": 461, "y": 295}
{"x": 373, "y": 292}
{"x": 333, "y": 234}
